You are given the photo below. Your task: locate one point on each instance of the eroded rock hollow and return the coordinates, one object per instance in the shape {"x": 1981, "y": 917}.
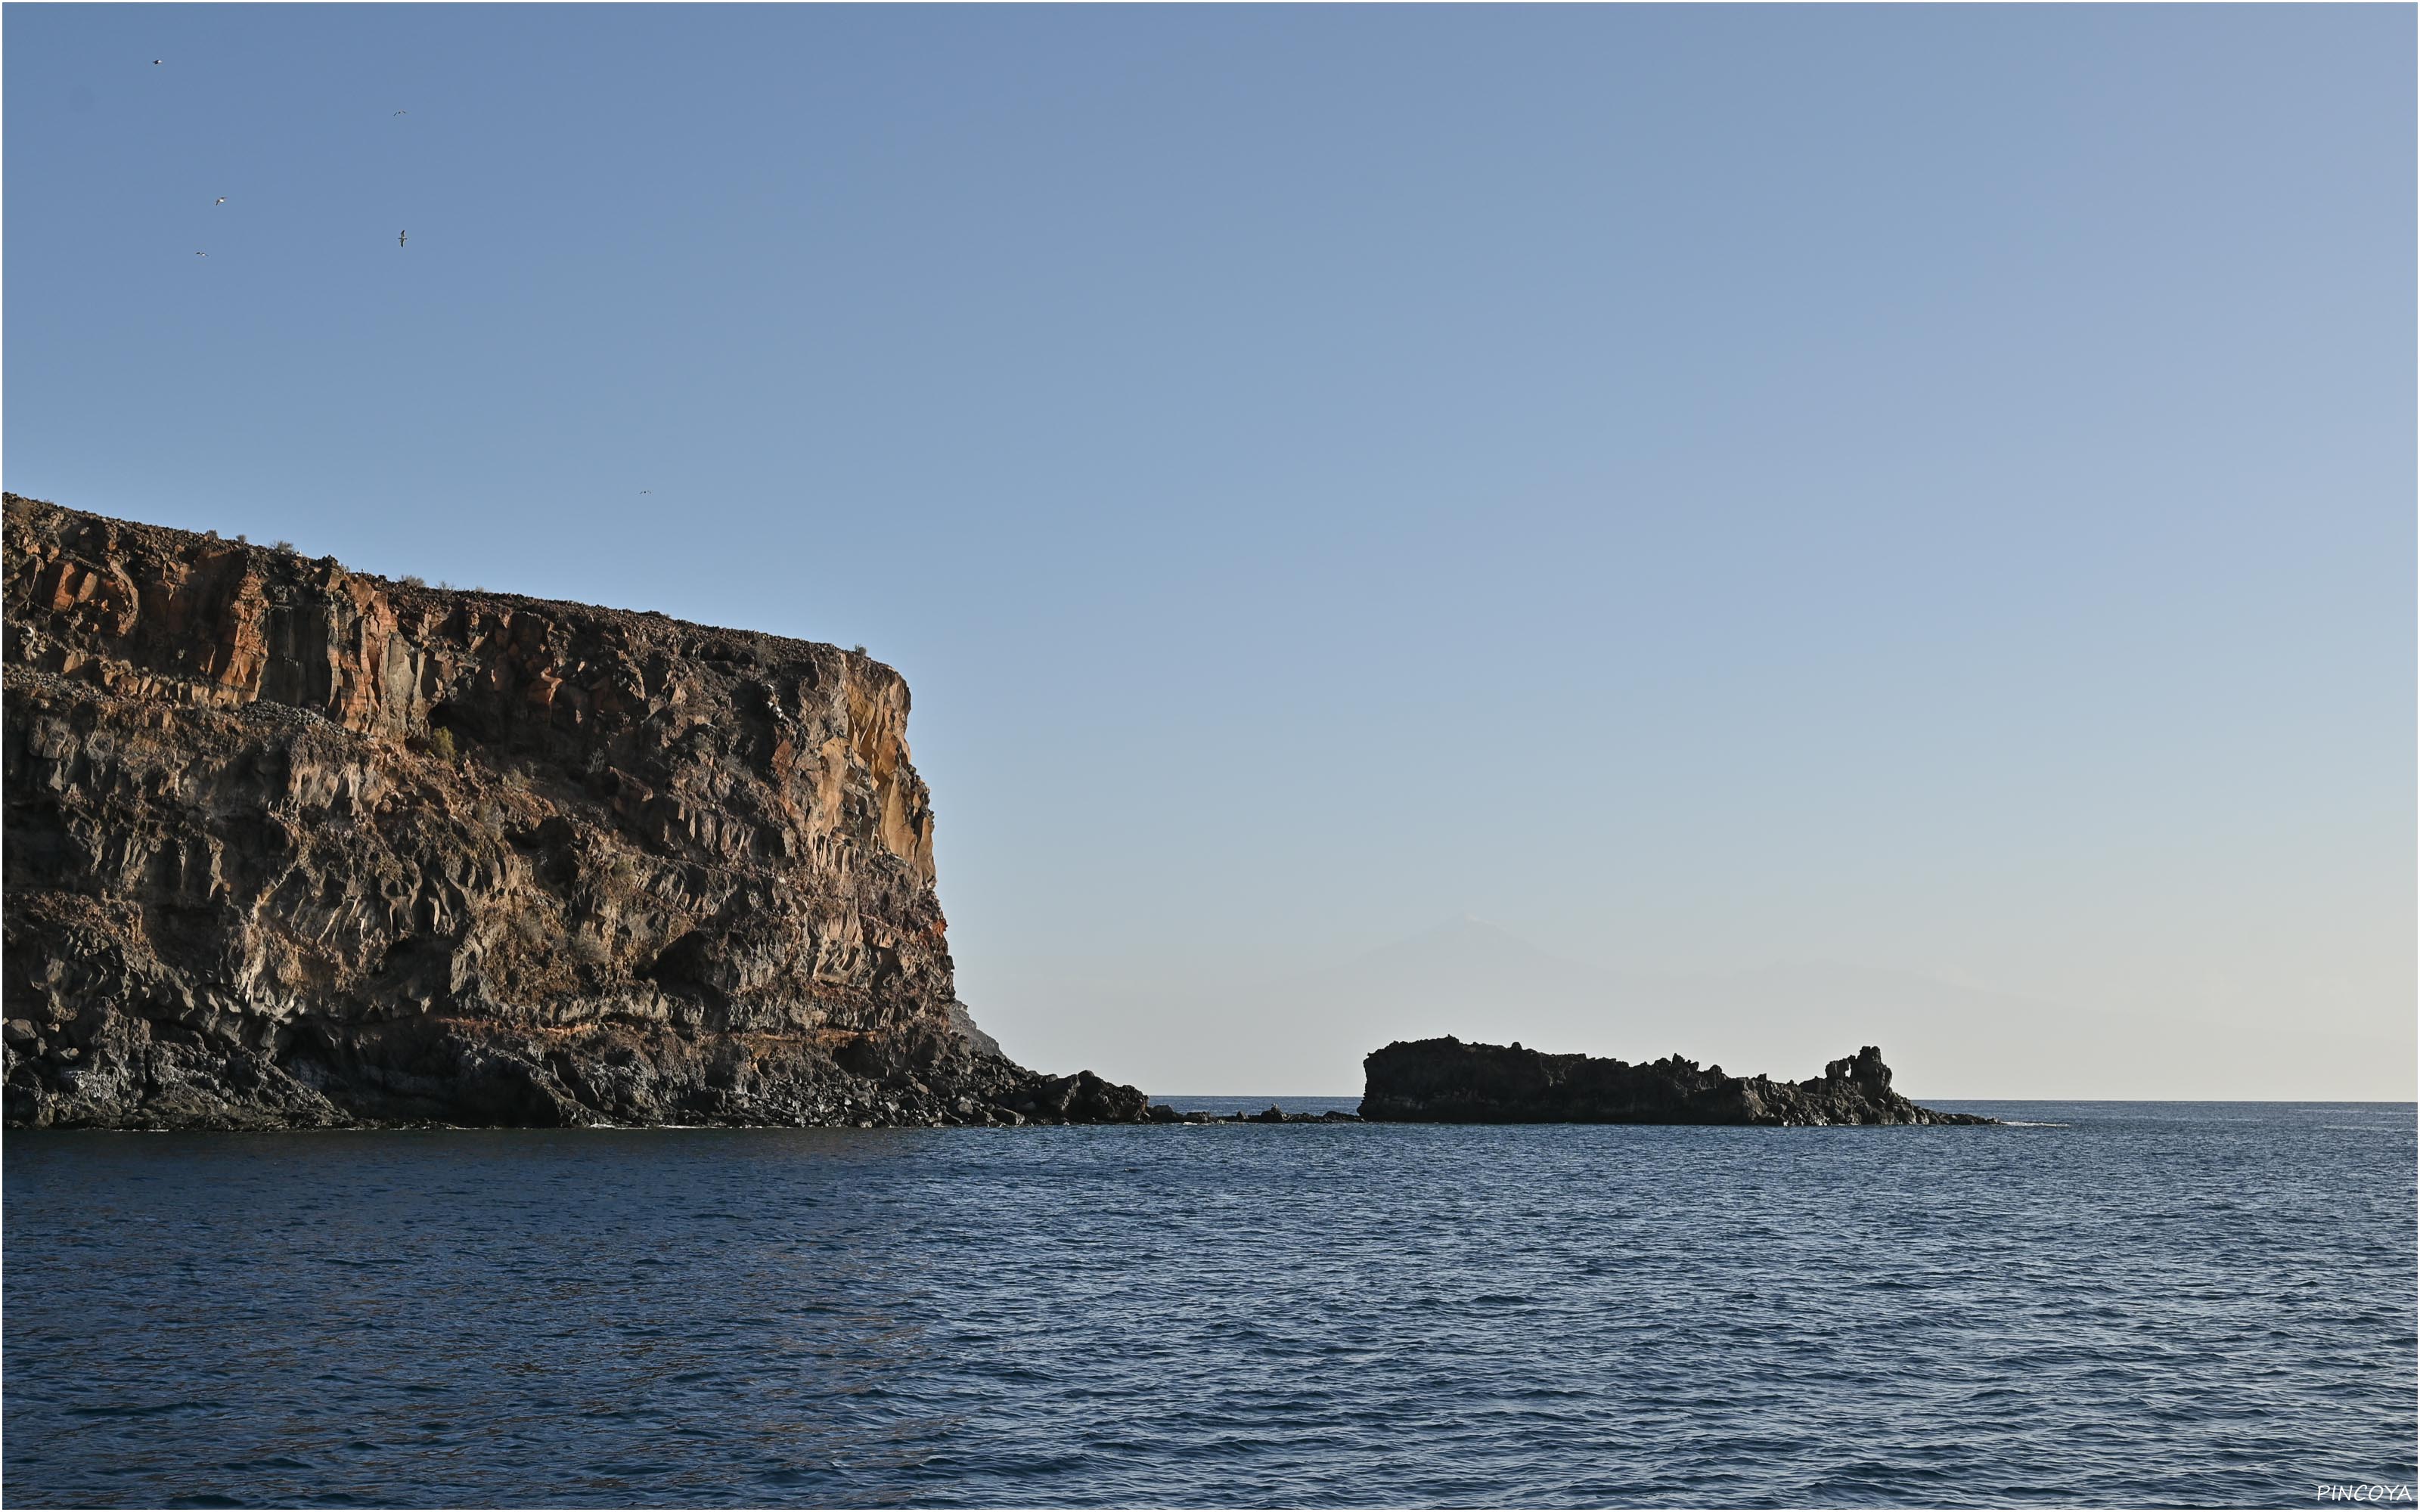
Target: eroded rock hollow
{"x": 289, "y": 844}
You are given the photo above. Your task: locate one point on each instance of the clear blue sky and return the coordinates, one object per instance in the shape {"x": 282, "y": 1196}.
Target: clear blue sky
{"x": 1717, "y": 491}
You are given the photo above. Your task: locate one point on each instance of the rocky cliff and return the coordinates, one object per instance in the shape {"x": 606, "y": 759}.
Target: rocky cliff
{"x": 292, "y": 844}
{"x": 1446, "y": 1081}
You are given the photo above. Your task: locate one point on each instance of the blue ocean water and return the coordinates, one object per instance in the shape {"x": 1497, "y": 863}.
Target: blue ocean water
{"x": 2140, "y": 1304}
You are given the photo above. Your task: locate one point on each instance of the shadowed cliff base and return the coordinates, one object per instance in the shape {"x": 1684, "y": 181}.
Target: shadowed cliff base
{"x": 1446, "y": 1081}
{"x": 292, "y": 845}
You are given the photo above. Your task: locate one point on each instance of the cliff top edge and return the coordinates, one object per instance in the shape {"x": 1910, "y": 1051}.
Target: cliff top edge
{"x": 644, "y": 626}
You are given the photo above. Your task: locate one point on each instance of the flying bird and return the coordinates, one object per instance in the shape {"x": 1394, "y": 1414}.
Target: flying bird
{"x": 201, "y": 255}
{"x": 220, "y": 200}
{"x": 403, "y": 113}
{"x": 155, "y": 63}
{"x": 403, "y": 236}
{"x": 646, "y": 491}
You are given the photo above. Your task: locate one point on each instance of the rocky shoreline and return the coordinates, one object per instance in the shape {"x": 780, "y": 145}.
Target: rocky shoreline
{"x": 1272, "y": 1114}
{"x": 291, "y": 846}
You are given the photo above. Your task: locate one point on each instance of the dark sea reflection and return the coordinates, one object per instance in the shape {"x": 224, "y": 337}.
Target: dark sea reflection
{"x": 2143, "y": 1305}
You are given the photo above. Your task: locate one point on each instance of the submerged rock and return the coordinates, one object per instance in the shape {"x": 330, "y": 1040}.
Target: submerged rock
{"x": 289, "y": 844}
{"x": 1446, "y": 1081}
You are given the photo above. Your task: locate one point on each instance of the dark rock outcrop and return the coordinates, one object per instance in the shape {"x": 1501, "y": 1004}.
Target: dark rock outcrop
{"x": 1446, "y": 1081}
{"x": 289, "y": 844}
{"x": 1160, "y": 1113}
{"x": 1274, "y": 1114}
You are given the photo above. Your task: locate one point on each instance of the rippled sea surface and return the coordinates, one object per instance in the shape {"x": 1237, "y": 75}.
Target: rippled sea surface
{"x": 2130, "y": 1303}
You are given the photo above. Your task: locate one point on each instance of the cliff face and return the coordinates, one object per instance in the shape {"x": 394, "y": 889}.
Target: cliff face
{"x": 292, "y": 844}
{"x": 1446, "y": 1081}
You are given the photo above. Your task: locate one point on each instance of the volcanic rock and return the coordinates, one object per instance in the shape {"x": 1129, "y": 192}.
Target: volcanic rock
{"x": 1446, "y": 1081}
{"x": 291, "y": 844}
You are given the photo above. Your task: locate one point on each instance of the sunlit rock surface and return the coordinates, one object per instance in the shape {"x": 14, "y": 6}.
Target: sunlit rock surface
{"x": 291, "y": 844}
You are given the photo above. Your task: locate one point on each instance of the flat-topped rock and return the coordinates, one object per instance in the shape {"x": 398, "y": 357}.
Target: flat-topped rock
{"x": 1447, "y": 1080}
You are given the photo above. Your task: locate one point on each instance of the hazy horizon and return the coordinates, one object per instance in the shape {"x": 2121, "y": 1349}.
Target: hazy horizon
{"x": 1826, "y": 525}
{"x": 1480, "y": 981}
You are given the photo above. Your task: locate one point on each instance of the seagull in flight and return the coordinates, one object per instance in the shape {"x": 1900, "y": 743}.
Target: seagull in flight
{"x": 403, "y": 113}
{"x": 155, "y": 63}
{"x": 201, "y": 255}
{"x": 403, "y": 236}
{"x": 220, "y": 200}
{"x": 646, "y": 491}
